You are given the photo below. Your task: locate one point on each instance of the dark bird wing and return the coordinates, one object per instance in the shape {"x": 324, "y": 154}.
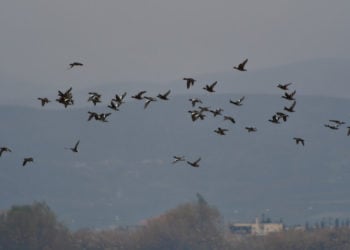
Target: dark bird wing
{"x": 293, "y": 93}
{"x": 291, "y": 108}
{"x": 213, "y": 84}
{"x": 76, "y": 145}
{"x": 241, "y": 65}
{"x": 147, "y": 103}
{"x": 167, "y": 93}
{"x": 197, "y": 161}
{"x": 293, "y": 105}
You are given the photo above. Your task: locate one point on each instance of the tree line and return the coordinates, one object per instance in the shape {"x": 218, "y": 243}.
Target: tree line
{"x": 189, "y": 226}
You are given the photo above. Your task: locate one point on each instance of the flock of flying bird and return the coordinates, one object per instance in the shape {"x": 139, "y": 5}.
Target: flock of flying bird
{"x": 66, "y": 99}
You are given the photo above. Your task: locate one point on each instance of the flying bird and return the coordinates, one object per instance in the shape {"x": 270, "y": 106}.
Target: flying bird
{"x": 282, "y": 116}
{"x": 164, "y": 96}
{"x": 299, "y": 140}
{"x": 75, "y": 148}
{"x": 178, "y": 158}
{"x": 189, "y": 82}
{"x": 94, "y": 97}
{"x": 210, "y": 88}
{"x": 149, "y": 100}
{"x": 139, "y": 96}
{"x": 103, "y": 117}
{"x": 204, "y": 109}
{"x": 74, "y": 64}
{"x": 113, "y": 105}
{"x": 93, "y": 115}
{"x": 229, "y": 118}
{"x": 194, "y": 101}
{"x": 275, "y": 119}
{"x": 251, "y": 129}
{"x": 4, "y": 149}
{"x": 44, "y": 100}
{"x": 26, "y": 160}
{"x": 291, "y": 108}
{"x": 334, "y": 127}
{"x": 195, "y": 114}
{"x": 238, "y": 102}
{"x": 289, "y": 96}
{"x": 119, "y": 98}
{"x": 221, "y": 131}
{"x": 195, "y": 163}
{"x": 66, "y": 98}
{"x": 338, "y": 122}
{"x": 241, "y": 66}
{"x": 284, "y": 86}
{"x": 216, "y": 112}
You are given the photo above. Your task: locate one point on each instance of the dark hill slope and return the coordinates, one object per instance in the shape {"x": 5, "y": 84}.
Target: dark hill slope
{"x": 123, "y": 172}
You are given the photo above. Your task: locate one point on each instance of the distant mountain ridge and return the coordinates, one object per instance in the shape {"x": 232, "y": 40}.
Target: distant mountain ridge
{"x": 318, "y": 77}
{"x": 123, "y": 172}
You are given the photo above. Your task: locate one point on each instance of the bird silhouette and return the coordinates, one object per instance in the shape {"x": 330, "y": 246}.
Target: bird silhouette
{"x": 194, "y": 163}
{"x": 195, "y": 114}
{"x": 334, "y": 127}
{"x": 119, "y": 98}
{"x": 43, "y": 100}
{"x": 65, "y": 98}
{"x": 204, "y": 109}
{"x": 284, "y": 86}
{"x": 139, "y": 96}
{"x": 164, "y": 96}
{"x": 103, "y": 117}
{"x": 251, "y": 129}
{"x": 210, "y": 88}
{"x": 75, "y": 148}
{"x": 299, "y": 140}
{"x": 221, "y": 131}
{"x": 189, "y": 82}
{"x": 291, "y": 108}
{"x": 67, "y": 93}
{"x": 275, "y": 119}
{"x": 238, "y": 102}
{"x": 149, "y": 99}
{"x": 4, "y": 149}
{"x": 282, "y": 116}
{"x": 194, "y": 101}
{"x": 229, "y": 118}
{"x": 94, "y": 97}
{"x": 26, "y": 160}
{"x": 289, "y": 96}
{"x": 216, "y": 112}
{"x": 338, "y": 122}
{"x": 113, "y": 105}
{"x": 178, "y": 158}
{"x": 74, "y": 64}
{"x": 93, "y": 115}
{"x": 241, "y": 66}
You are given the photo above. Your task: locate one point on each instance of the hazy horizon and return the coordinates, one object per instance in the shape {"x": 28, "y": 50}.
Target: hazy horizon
{"x": 151, "y": 45}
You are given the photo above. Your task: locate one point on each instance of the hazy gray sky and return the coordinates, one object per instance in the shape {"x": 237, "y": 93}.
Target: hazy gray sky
{"x": 161, "y": 40}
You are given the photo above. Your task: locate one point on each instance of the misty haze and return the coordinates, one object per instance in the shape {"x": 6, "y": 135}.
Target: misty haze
{"x": 229, "y": 121}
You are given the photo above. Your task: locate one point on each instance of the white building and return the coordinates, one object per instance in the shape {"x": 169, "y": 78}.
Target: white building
{"x": 257, "y": 228}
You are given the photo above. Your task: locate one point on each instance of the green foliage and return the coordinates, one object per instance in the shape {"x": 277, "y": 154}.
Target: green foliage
{"x": 32, "y": 227}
